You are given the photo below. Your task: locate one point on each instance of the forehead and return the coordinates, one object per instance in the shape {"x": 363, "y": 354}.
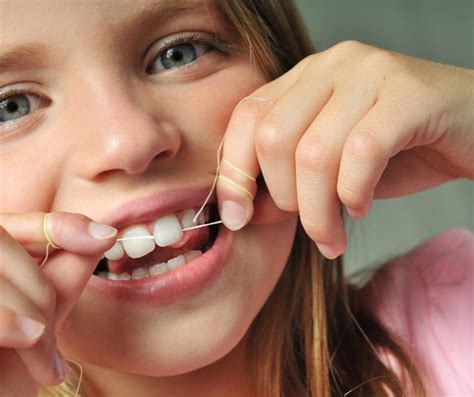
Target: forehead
{"x": 25, "y": 18}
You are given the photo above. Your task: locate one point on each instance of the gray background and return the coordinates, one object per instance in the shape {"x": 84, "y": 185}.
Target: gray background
{"x": 437, "y": 30}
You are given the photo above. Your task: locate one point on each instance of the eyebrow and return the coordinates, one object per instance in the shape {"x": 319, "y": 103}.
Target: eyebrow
{"x": 27, "y": 56}
{"x": 154, "y": 13}
{"x": 36, "y": 55}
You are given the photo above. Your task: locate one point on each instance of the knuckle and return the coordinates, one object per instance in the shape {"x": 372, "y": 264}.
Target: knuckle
{"x": 346, "y": 45}
{"x": 365, "y": 145}
{"x": 312, "y": 156}
{"x": 381, "y": 58}
{"x": 271, "y": 136}
{"x": 309, "y": 59}
{"x": 341, "y": 49}
{"x": 309, "y": 63}
{"x": 248, "y": 108}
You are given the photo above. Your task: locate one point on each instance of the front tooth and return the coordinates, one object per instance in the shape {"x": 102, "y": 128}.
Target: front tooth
{"x": 139, "y": 273}
{"x": 139, "y": 247}
{"x": 116, "y": 252}
{"x": 173, "y": 263}
{"x": 158, "y": 269}
{"x": 191, "y": 255}
{"x": 188, "y": 216}
{"x": 167, "y": 231}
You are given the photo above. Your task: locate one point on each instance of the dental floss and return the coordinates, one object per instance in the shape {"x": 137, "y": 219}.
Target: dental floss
{"x": 236, "y": 185}
{"x": 49, "y": 239}
{"x": 46, "y": 233}
{"x": 70, "y": 360}
{"x": 152, "y": 237}
{"x": 203, "y": 225}
{"x": 45, "y": 256}
{"x": 239, "y": 170}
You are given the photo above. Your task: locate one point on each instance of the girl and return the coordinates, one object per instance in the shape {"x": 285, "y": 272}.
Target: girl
{"x": 111, "y": 115}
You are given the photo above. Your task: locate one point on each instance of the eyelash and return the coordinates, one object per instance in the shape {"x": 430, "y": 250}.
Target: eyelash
{"x": 5, "y": 94}
{"x": 8, "y": 127}
{"x": 211, "y": 40}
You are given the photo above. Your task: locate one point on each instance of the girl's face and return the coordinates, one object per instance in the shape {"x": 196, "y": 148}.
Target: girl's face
{"x": 115, "y": 110}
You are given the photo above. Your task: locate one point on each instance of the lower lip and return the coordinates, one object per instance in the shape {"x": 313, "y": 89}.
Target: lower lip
{"x": 172, "y": 286}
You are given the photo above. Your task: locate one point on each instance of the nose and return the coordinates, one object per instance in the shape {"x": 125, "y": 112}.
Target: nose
{"x": 120, "y": 132}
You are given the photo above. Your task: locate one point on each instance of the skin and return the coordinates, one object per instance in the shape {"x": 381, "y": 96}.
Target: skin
{"x": 111, "y": 130}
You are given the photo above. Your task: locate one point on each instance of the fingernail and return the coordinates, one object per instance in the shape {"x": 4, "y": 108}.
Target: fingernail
{"x": 60, "y": 368}
{"x": 233, "y": 215}
{"x": 327, "y": 250}
{"x": 354, "y": 214}
{"x": 100, "y": 231}
{"x": 32, "y": 329}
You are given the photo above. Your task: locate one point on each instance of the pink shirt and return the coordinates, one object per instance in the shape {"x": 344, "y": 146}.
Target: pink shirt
{"x": 426, "y": 297}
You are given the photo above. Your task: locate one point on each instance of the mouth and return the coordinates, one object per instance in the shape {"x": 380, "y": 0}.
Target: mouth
{"x": 166, "y": 265}
{"x": 162, "y": 246}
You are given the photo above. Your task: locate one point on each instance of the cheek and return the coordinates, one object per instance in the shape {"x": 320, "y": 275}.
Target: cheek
{"x": 27, "y": 176}
{"x": 205, "y": 106}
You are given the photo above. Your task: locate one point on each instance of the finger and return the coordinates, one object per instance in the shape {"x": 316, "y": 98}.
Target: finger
{"x": 18, "y": 331}
{"x": 73, "y": 232}
{"x": 278, "y": 134}
{"x": 236, "y": 186}
{"x": 17, "y": 266}
{"x": 317, "y": 160}
{"x": 37, "y": 350}
{"x": 234, "y": 189}
{"x": 388, "y": 128}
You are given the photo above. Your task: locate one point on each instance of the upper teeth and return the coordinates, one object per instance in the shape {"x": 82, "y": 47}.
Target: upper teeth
{"x": 139, "y": 247}
{"x": 167, "y": 230}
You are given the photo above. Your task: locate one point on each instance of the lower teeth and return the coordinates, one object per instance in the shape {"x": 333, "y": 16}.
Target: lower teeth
{"x": 157, "y": 269}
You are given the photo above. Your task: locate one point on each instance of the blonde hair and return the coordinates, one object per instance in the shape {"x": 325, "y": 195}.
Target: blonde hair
{"x": 311, "y": 338}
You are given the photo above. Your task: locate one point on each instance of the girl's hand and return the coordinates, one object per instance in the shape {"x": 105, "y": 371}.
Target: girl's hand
{"x": 347, "y": 125}
{"x": 34, "y": 301}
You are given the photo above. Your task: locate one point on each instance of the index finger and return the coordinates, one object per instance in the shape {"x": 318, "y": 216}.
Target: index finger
{"x": 75, "y": 233}
{"x": 237, "y": 184}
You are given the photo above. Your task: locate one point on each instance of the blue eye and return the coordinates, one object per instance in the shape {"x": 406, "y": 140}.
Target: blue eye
{"x": 14, "y": 107}
{"x": 177, "y": 56}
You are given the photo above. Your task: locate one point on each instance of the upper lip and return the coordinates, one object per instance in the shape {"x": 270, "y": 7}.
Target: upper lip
{"x": 156, "y": 205}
